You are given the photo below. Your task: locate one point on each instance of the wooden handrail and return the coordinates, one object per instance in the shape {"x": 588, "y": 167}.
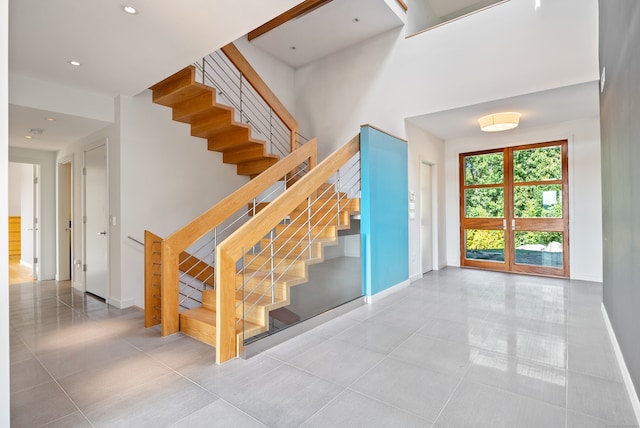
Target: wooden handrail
{"x": 180, "y": 240}
{"x": 254, "y": 79}
{"x": 231, "y": 249}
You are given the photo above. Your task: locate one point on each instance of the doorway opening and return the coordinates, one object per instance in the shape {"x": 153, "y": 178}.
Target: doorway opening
{"x": 514, "y": 209}
{"x": 24, "y": 235}
{"x": 426, "y": 217}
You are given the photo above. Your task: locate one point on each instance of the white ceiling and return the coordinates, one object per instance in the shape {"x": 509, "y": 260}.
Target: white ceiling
{"x": 537, "y": 109}
{"x": 55, "y": 134}
{"x": 120, "y": 53}
{"x": 124, "y": 54}
{"x": 328, "y": 29}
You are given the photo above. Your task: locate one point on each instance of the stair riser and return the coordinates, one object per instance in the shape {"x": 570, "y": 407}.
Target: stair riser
{"x": 253, "y": 152}
{"x": 281, "y": 266}
{"x": 188, "y": 110}
{"x": 166, "y": 92}
{"x": 255, "y": 167}
{"x": 296, "y": 250}
{"x": 199, "y": 330}
{"x": 215, "y": 116}
{"x": 328, "y": 232}
{"x": 223, "y": 138}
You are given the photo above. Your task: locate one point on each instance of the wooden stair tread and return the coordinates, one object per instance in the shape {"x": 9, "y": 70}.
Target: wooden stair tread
{"x": 208, "y": 316}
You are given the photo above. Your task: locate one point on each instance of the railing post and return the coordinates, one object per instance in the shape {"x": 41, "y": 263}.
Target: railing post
{"x": 170, "y": 290}
{"x": 225, "y": 306}
{"x": 152, "y": 279}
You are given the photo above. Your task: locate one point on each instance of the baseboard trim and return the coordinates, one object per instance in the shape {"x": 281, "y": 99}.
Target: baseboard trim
{"x": 628, "y": 382}
{"x": 121, "y": 304}
{"x": 415, "y": 277}
{"x": 384, "y": 293}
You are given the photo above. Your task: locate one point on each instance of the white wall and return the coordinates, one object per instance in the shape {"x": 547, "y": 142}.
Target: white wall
{"x": 585, "y": 197}
{"x": 507, "y": 50}
{"x": 47, "y": 216}
{"x": 420, "y": 16}
{"x": 167, "y": 179}
{"x": 424, "y": 147}
{"x": 276, "y": 74}
{"x": 34, "y": 93}
{"x": 390, "y": 78}
{"x": 14, "y": 189}
{"x": 4, "y": 187}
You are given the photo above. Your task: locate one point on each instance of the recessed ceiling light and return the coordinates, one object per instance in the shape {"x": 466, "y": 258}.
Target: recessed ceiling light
{"x": 129, "y": 9}
{"x": 75, "y": 63}
{"x": 51, "y": 119}
{"x": 28, "y": 137}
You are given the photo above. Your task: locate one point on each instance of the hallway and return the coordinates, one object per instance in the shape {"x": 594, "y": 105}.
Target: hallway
{"x": 19, "y": 273}
{"x": 458, "y": 348}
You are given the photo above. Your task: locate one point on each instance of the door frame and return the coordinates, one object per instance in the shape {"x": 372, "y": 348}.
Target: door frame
{"x": 103, "y": 142}
{"x": 509, "y": 224}
{"x": 65, "y": 201}
{"x": 433, "y": 214}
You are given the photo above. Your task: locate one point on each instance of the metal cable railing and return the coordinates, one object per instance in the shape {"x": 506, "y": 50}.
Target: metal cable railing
{"x": 298, "y": 237}
{"x": 217, "y": 70}
{"x": 196, "y": 268}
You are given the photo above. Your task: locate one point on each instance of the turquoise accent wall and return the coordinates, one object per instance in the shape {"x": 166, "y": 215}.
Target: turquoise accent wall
{"x": 384, "y": 223}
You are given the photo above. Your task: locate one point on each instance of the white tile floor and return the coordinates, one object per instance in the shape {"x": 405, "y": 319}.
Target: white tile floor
{"x": 459, "y": 348}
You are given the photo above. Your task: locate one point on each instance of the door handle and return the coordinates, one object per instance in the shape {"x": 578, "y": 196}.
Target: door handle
{"x": 102, "y": 233}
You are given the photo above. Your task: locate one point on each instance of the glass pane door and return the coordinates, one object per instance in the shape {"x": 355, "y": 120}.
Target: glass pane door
{"x": 540, "y": 210}
{"x": 514, "y": 212}
{"x": 483, "y": 220}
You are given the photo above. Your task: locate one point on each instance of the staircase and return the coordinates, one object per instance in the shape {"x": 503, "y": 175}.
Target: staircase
{"x": 274, "y": 243}
{"x": 195, "y": 103}
{"x": 281, "y": 262}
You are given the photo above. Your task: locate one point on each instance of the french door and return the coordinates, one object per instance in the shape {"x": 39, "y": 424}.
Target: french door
{"x": 514, "y": 212}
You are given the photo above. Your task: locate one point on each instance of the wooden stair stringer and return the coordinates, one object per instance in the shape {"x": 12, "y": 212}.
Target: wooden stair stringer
{"x": 195, "y": 104}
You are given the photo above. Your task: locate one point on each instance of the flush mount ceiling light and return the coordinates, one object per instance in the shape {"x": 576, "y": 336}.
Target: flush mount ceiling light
{"x": 499, "y": 121}
{"x": 75, "y": 63}
{"x": 129, "y": 9}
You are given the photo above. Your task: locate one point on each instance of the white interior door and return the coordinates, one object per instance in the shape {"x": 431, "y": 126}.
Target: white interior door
{"x": 426, "y": 223}
{"x": 36, "y": 222}
{"x": 96, "y": 221}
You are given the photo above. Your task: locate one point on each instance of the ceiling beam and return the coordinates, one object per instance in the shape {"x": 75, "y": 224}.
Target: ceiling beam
{"x": 296, "y": 11}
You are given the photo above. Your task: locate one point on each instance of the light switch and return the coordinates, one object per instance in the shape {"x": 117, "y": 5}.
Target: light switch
{"x": 412, "y": 206}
